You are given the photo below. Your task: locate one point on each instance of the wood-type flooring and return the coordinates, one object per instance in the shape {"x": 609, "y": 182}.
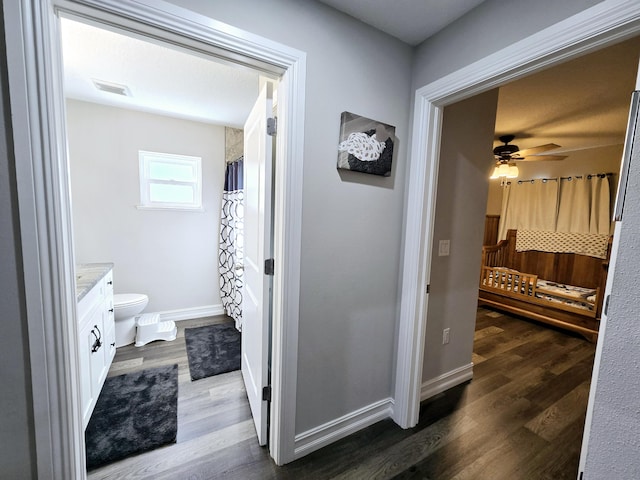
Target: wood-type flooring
{"x": 520, "y": 418}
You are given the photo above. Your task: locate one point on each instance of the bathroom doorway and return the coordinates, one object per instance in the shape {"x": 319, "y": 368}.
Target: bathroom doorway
{"x": 38, "y": 101}
{"x": 116, "y": 108}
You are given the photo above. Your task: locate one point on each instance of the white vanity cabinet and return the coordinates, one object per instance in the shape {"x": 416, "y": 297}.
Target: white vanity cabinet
{"x": 97, "y": 343}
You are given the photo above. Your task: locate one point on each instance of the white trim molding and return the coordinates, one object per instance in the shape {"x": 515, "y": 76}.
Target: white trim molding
{"x": 446, "y": 381}
{"x": 605, "y": 23}
{"x": 33, "y": 58}
{"x": 332, "y": 431}
{"x": 39, "y": 138}
{"x": 191, "y": 313}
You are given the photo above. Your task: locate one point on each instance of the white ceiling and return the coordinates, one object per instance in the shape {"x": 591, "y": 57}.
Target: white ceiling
{"x": 412, "y": 21}
{"x": 579, "y": 104}
{"x": 161, "y": 79}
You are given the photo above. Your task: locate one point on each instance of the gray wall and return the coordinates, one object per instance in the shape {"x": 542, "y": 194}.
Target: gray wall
{"x": 491, "y": 26}
{"x": 17, "y": 448}
{"x": 352, "y": 223}
{"x": 170, "y": 255}
{"x": 614, "y": 439}
{"x": 463, "y": 182}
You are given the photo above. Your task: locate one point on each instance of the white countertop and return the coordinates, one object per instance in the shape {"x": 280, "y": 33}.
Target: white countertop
{"x": 88, "y": 275}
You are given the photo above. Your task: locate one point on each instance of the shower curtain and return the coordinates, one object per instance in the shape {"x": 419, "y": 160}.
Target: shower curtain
{"x": 230, "y": 260}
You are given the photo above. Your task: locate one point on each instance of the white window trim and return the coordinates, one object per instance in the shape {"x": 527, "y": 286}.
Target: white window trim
{"x": 145, "y": 158}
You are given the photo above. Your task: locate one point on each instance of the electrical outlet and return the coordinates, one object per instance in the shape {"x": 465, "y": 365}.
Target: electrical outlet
{"x": 445, "y": 336}
{"x": 443, "y": 248}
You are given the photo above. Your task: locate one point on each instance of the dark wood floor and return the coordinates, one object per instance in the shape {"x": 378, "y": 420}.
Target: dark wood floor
{"x": 520, "y": 418}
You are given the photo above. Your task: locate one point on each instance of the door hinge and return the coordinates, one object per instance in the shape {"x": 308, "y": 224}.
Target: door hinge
{"x": 428, "y": 287}
{"x": 606, "y": 305}
{"x": 266, "y": 393}
{"x": 269, "y": 266}
{"x": 581, "y": 475}
{"x": 272, "y": 126}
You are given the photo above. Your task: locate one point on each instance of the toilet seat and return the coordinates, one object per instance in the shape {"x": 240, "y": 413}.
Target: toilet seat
{"x": 128, "y": 299}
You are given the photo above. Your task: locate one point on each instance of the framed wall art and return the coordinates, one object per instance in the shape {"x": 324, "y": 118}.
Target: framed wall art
{"x": 365, "y": 145}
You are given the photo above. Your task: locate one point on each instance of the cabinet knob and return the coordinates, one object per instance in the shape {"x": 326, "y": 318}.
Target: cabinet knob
{"x": 111, "y": 310}
{"x": 110, "y": 282}
{"x": 113, "y": 344}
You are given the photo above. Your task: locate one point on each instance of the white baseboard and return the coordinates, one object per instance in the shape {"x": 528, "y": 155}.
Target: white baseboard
{"x": 445, "y": 381}
{"x": 190, "y": 313}
{"x": 334, "y": 430}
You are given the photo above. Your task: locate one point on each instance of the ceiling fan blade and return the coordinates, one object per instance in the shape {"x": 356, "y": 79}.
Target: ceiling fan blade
{"x": 537, "y": 158}
{"x": 535, "y": 150}
{"x": 564, "y": 150}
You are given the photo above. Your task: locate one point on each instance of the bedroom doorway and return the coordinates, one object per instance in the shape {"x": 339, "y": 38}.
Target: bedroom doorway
{"x": 566, "y": 186}
{"x": 567, "y": 39}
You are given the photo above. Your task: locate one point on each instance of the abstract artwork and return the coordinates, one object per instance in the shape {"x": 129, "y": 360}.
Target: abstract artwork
{"x": 365, "y": 145}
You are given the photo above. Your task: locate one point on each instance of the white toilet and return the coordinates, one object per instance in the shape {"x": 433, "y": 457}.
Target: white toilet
{"x": 126, "y": 306}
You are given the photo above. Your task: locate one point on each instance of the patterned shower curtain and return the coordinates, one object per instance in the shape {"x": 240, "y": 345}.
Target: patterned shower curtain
{"x": 230, "y": 261}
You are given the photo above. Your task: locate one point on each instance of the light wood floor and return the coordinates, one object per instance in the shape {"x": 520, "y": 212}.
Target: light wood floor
{"x": 520, "y": 418}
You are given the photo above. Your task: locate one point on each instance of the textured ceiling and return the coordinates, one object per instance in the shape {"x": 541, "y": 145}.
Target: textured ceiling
{"x": 160, "y": 79}
{"x": 412, "y": 21}
{"x": 579, "y": 104}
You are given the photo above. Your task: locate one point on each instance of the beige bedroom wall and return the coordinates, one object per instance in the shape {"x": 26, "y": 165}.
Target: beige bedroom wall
{"x": 463, "y": 181}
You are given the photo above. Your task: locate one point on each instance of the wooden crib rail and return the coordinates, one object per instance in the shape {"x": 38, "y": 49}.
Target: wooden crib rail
{"x": 508, "y": 281}
{"x": 495, "y": 255}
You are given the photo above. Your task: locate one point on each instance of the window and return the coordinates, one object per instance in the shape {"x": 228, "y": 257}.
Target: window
{"x": 170, "y": 181}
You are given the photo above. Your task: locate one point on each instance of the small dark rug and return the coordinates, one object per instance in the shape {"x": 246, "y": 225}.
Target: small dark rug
{"x": 135, "y": 412}
{"x": 212, "y": 349}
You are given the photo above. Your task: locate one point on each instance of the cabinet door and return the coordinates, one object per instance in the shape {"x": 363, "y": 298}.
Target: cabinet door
{"x": 109, "y": 321}
{"x": 86, "y": 387}
{"x": 97, "y": 349}
{"x": 109, "y": 331}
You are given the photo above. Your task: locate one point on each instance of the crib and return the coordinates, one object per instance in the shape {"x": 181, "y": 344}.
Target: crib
{"x": 560, "y": 289}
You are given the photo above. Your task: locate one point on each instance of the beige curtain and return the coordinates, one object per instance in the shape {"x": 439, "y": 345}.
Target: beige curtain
{"x": 530, "y": 205}
{"x": 584, "y": 205}
{"x": 600, "y": 205}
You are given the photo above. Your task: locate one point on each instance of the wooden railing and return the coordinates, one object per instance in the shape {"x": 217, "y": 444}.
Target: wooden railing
{"x": 495, "y": 255}
{"x": 509, "y": 281}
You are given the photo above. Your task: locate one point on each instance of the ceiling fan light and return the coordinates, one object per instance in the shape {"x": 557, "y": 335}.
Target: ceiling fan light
{"x": 503, "y": 170}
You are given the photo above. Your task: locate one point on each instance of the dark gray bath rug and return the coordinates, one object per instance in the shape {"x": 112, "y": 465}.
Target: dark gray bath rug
{"x": 135, "y": 412}
{"x": 212, "y": 349}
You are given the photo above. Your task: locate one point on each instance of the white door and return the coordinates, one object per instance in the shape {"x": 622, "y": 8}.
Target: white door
{"x": 256, "y": 306}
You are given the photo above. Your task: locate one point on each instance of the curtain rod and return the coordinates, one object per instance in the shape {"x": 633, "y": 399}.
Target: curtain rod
{"x": 229, "y": 162}
{"x": 589, "y": 176}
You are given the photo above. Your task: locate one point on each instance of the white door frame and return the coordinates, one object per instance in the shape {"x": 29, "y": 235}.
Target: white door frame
{"x": 39, "y": 137}
{"x": 602, "y": 24}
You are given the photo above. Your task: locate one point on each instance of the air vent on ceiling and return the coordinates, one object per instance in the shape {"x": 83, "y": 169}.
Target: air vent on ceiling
{"x": 110, "y": 87}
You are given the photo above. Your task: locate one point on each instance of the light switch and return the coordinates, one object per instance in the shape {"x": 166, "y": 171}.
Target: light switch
{"x": 443, "y": 248}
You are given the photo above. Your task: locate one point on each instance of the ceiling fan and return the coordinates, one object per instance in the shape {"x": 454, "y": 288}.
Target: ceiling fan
{"x": 509, "y": 152}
